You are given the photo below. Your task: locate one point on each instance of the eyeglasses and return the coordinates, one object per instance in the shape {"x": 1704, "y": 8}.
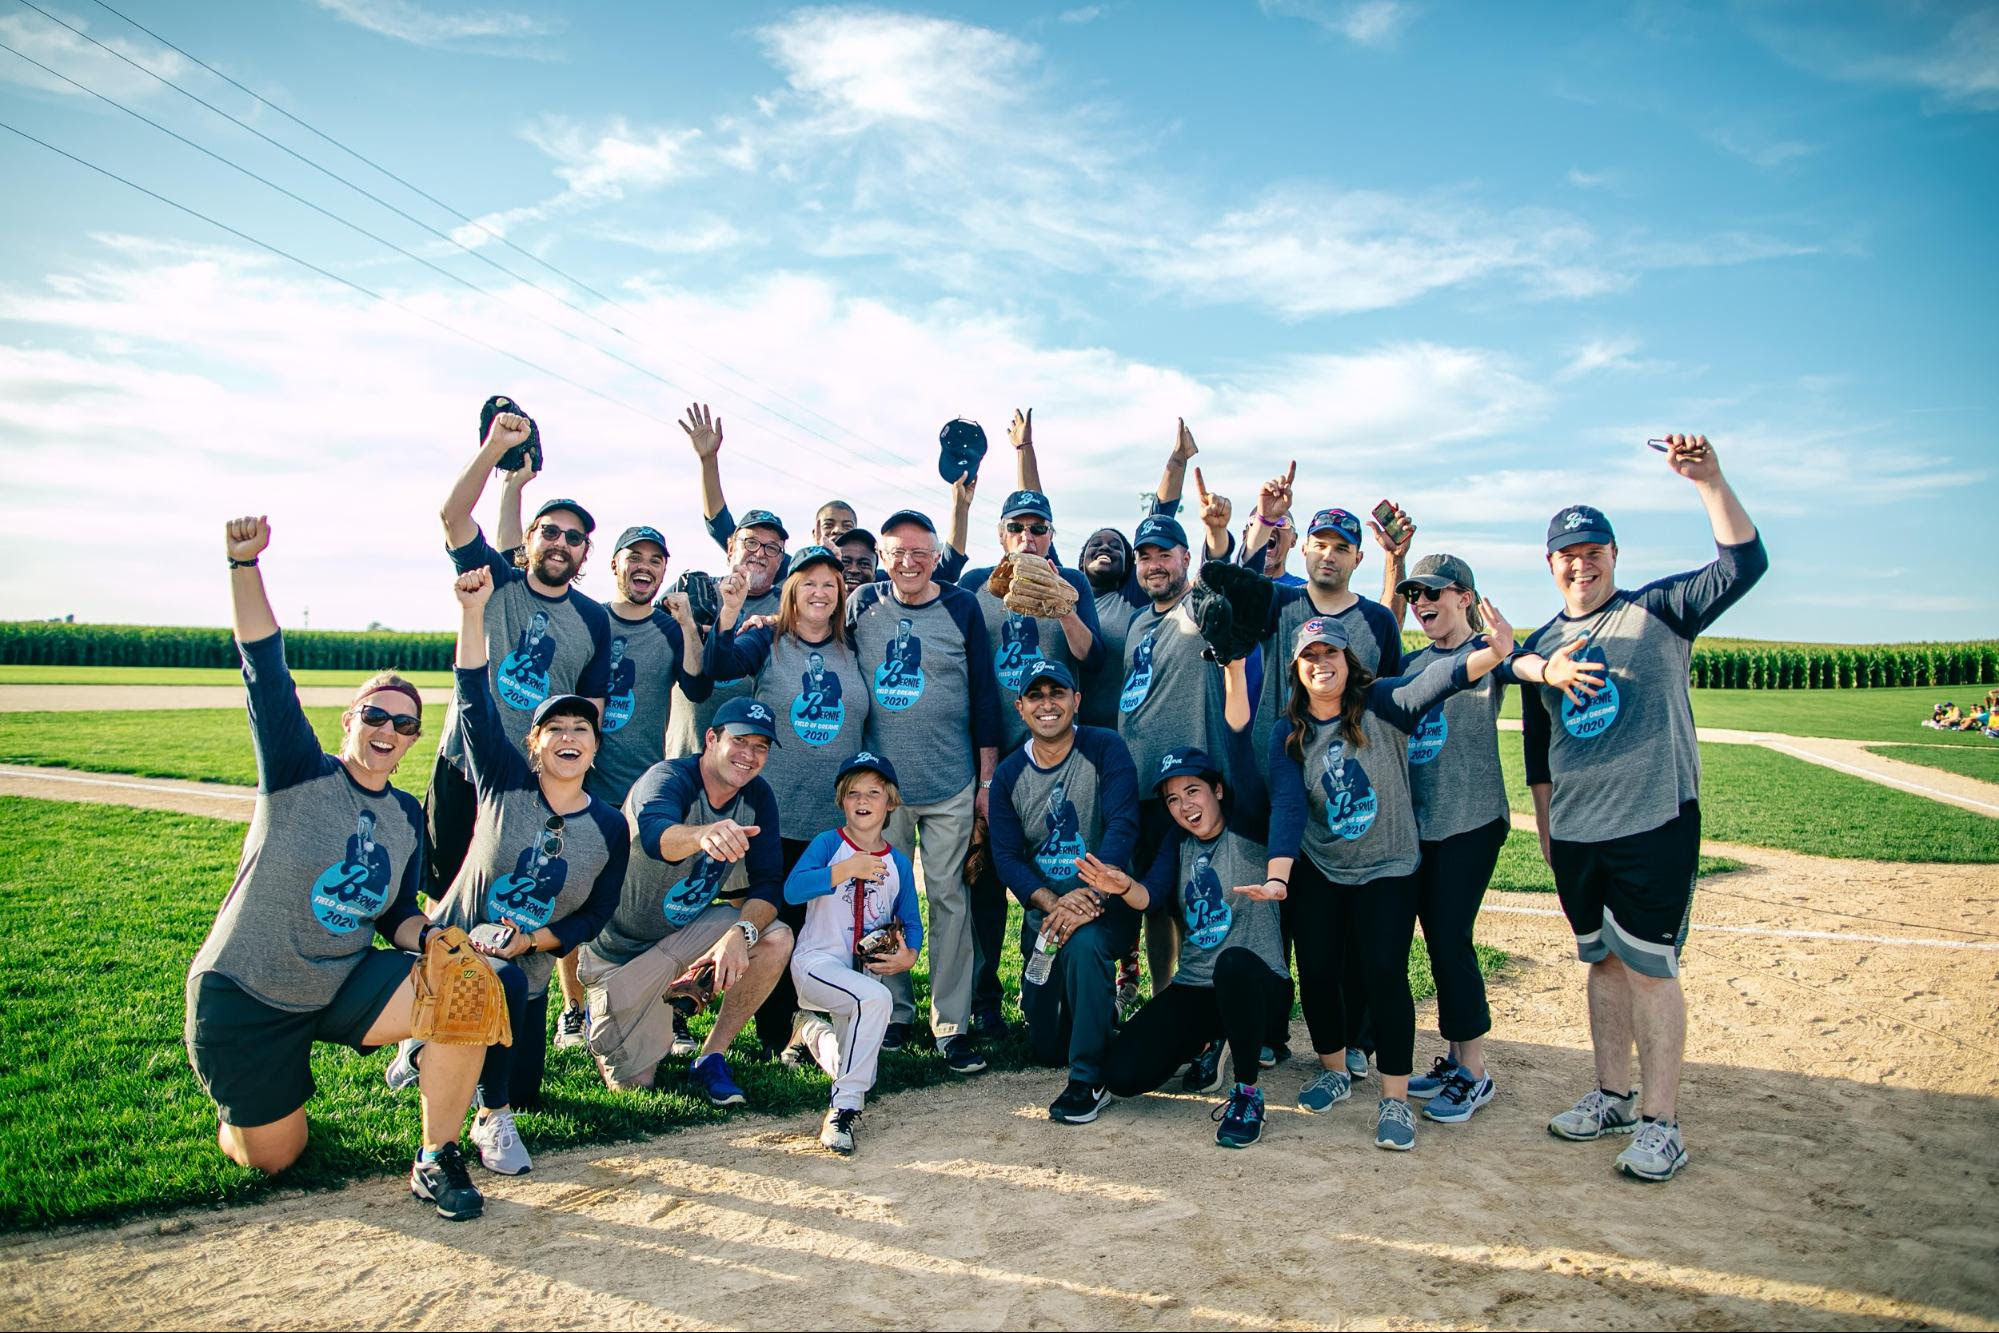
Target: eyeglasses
{"x": 751, "y": 546}
{"x": 914, "y": 555}
{"x": 405, "y": 724}
{"x": 1038, "y": 529}
{"x": 574, "y": 536}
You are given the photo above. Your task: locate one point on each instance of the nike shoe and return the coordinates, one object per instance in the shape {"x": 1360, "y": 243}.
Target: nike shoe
{"x": 711, "y": 1074}
{"x": 1078, "y": 1104}
{"x": 1241, "y": 1117}
{"x": 572, "y": 1027}
{"x": 499, "y": 1144}
{"x": 1461, "y": 1097}
{"x": 444, "y": 1180}
{"x": 1330, "y": 1088}
{"x": 1657, "y": 1152}
{"x": 836, "y": 1131}
{"x": 1594, "y": 1115}
{"x": 402, "y": 1072}
{"x": 1205, "y": 1074}
{"x": 1425, "y": 1086}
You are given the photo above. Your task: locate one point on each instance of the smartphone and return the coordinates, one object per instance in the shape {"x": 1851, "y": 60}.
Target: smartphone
{"x": 492, "y": 937}
{"x": 1384, "y": 514}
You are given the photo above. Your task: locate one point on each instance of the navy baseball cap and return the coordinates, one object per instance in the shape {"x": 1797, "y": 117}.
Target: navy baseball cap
{"x": 814, "y": 555}
{"x": 1335, "y": 520}
{"x": 1579, "y": 525}
{"x": 1188, "y": 761}
{"x": 915, "y": 516}
{"x": 1438, "y": 572}
{"x": 855, "y": 534}
{"x": 1159, "y": 530}
{"x": 745, "y": 716}
{"x": 1319, "y": 629}
{"x": 589, "y": 523}
{"x": 763, "y": 518}
{"x": 1046, "y": 670}
{"x": 566, "y": 705}
{"x": 867, "y": 761}
{"x": 1027, "y": 502}
{"x": 960, "y": 447}
{"x": 632, "y": 536}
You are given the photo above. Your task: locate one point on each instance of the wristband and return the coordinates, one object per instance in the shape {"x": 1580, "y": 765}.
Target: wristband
{"x": 1274, "y": 880}
{"x": 251, "y": 563}
{"x": 1281, "y": 521}
{"x": 423, "y": 935}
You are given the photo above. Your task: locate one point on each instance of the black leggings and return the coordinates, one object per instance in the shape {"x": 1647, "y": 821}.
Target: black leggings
{"x": 1172, "y": 1027}
{"x": 450, "y": 807}
{"x": 512, "y": 1074}
{"x": 1380, "y": 917}
{"x": 775, "y": 1014}
{"x": 1450, "y": 885}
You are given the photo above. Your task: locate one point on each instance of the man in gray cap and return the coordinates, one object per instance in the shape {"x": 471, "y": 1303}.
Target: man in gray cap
{"x": 1616, "y": 791}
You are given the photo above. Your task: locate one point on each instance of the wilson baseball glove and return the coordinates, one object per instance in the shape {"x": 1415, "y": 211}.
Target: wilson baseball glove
{"x": 1231, "y": 605}
{"x": 459, "y": 1002}
{"x": 1030, "y": 586}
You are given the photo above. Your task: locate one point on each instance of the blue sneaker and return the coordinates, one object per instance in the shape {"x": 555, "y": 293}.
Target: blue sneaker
{"x": 1460, "y": 1097}
{"x": 1425, "y": 1086}
{"x": 711, "y": 1074}
{"x": 1395, "y": 1125}
{"x": 1329, "y": 1088}
{"x": 1356, "y": 1063}
{"x": 1241, "y": 1117}
{"x": 1205, "y": 1074}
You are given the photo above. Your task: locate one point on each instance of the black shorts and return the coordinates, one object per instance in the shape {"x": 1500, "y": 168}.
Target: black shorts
{"x": 255, "y": 1062}
{"x": 1631, "y": 896}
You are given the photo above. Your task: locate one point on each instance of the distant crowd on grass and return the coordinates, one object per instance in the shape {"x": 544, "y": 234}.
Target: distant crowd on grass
{"x": 1978, "y": 718}
{"x": 733, "y": 790}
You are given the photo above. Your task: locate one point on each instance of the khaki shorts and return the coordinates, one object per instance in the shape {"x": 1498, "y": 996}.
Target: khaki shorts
{"x": 631, "y": 1025}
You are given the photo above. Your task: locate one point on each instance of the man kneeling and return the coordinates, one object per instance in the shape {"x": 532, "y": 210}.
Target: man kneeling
{"x": 703, "y": 895}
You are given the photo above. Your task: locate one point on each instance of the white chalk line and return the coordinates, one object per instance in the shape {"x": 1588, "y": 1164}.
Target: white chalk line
{"x": 158, "y": 788}
{"x": 1875, "y": 775}
{"x": 1778, "y": 932}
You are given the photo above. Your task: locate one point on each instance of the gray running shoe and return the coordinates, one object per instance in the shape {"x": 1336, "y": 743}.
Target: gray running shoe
{"x": 499, "y": 1144}
{"x": 1394, "y": 1125}
{"x": 572, "y": 1027}
{"x": 1331, "y": 1087}
{"x": 401, "y": 1072}
{"x": 1356, "y": 1062}
{"x": 1460, "y": 1099}
{"x": 1657, "y": 1153}
{"x": 1595, "y": 1115}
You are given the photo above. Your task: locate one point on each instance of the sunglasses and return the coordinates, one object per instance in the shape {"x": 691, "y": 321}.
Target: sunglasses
{"x": 574, "y": 536}
{"x": 1419, "y": 593}
{"x": 1038, "y": 529}
{"x": 405, "y": 724}
{"x": 551, "y": 836}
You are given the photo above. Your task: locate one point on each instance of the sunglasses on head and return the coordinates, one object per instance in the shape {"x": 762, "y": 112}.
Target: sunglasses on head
{"x": 574, "y": 536}
{"x": 405, "y": 723}
{"x": 1038, "y": 529}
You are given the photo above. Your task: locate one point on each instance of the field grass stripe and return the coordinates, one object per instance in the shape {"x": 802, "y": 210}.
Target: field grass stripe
{"x": 1949, "y": 798}
{"x": 218, "y": 792}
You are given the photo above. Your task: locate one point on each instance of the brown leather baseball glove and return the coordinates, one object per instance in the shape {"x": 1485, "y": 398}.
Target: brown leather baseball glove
{"x": 459, "y": 1002}
{"x": 1030, "y": 586}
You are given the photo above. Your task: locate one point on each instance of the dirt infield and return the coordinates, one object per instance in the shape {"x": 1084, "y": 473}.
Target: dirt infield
{"x": 1839, "y": 1103}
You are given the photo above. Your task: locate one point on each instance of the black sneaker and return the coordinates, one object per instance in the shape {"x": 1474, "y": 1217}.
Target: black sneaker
{"x": 445, "y": 1181}
{"x": 573, "y": 1028}
{"x": 895, "y": 1036}
{"x": 683, "y": 1040}
{"x": 988, "y": 1023}
{"x": 836, "y": 1131}
{"x": 1205, "y": 1074}
{"x": 960, "y": 1056}
{"x": 1078, "y": 1104}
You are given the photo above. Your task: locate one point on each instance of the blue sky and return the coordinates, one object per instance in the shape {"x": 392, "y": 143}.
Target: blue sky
{"x": 1468, "y": 256}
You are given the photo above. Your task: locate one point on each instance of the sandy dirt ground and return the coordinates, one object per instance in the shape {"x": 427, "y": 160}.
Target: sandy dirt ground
{"x": 1839, "y": 1103}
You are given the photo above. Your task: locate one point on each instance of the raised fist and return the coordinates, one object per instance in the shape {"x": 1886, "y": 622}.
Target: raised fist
{"x": 245, "y": 537}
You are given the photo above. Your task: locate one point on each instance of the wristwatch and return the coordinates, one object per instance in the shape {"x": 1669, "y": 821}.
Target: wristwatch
{"x": 750, "y": 932}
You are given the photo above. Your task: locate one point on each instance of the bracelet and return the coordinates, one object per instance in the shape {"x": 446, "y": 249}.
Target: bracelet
{"x": 423, "y": 935}
{"x": 1274, "y": 880}
{"x": 1281, "y": 521}
{"x": 251, "y": 563}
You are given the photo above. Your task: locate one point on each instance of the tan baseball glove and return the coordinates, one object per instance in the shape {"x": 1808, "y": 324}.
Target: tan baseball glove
{"x": 1030, "y": 586}
{"x": 459, "y": 1002}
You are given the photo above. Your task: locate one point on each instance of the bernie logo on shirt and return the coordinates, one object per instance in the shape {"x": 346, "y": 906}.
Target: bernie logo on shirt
{"x": 820, "y": 708}
{"x": 353, "y": 893}
{"x": 527, "y": 897}
{"x": 687, "y": 899}
{"x": 1062, "y": 846}
{"x": 1350, "y": 800}
{"x": 523, "y": 673}
{"x": 899, "y": 679}
{"x": 1138, "y": 684}
{"x": 618, "y": 699}
{"x": 1587, "y": 720}
{"x": 1427, "y": 740}
{"x": 1019, "y": 649}
{"x": 1205, "y": 906}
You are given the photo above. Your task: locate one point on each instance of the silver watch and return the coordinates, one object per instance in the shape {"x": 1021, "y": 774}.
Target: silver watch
{"x": 750, "y": 932}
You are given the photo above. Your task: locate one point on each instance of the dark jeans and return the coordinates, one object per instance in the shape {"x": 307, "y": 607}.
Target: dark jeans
{"x": 512, "y": 1074}
{"x": 1070, "y": 1017}
{"x": 1173, "y": 1026}
{"x": 775, "y": 1014}
{"x": 1450, "y": 885}
{"x": 988, "y": 936}
{"x": 450, "y": 807}
{"x": 1380, "y": 917}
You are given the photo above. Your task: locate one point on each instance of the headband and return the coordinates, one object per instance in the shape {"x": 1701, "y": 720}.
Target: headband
{"x": 398, "y": 687}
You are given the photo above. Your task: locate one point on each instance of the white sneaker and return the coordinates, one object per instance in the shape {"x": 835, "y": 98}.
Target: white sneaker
{"x": 1656, "y": 1153}
{"x": 837, "y": 1130}
{"x": 573, "y": 1027}
{"x": 401, "y": 1072}
{"x": 1594, "y": 1115}
{"x": 499, "y": 1144}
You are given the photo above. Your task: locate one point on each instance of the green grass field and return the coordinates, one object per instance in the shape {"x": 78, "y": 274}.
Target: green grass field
{"x": 11, "y": 674}
{"x": 1965, "y": 761}
{"x": 1844, "y": 715}
{"x": 100, "y": 1116}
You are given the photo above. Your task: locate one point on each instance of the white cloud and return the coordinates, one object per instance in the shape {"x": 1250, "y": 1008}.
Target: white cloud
{"x": 597, "y": 165}
{"x": 1591, "y": 180}
{"x": 1362, "y": 22}
{"x": 700, "y": 237}
{"x": 1761, "y": 150}
{"x": 1960, "y": 68}
{"x": 1082, "y": 14}
{"x": 864, "y": 67}
{"x": 62, "y": 50}
{"x": 489, "y": 31}
{"x": 1607, "y": 353}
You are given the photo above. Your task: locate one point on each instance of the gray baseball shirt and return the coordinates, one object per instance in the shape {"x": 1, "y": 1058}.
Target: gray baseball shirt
{"x": 1453, "y": 751}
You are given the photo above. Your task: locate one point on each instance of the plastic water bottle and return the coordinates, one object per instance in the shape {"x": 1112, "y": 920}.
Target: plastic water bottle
{"x": 1042, "y": 964}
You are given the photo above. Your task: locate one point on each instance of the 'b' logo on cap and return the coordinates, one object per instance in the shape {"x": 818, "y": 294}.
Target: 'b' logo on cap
{"x": 1573, "y": 521}
{"x": 758, "y": 714}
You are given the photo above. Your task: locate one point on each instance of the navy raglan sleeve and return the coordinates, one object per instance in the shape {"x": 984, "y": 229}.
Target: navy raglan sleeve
{"x": 1117, "y": 796}
{"x": 1402, "y": 700}
{"x": 1249, "y": 792}
{"x": 986, "y": 730}
{"x": 1386, "y": 633}
{"x": 661, "y": 796}
{"x": 721, "y": 527}
{"x": 951, "y": 566}
{"x": 1287, "y": 795}
{"x": 288, "y": 751}
{"x": 734, "y": 654}
{"x": 1009, "y": 840}
{"x": 1692, "y": 601}
{"x": 1281, "y": 596}
{"x": 404, "y": 906}
{"x": 494, "y": 763}
{"x": 697, "y": 688}
{"x": 594, "y": 681}
{"x": 477, "y": 554}
{"x": 582, "y": 925}
{"x": 766, "y": 855}
{"x": 1159, "y": 877}
{"x": 1534, "y": 735}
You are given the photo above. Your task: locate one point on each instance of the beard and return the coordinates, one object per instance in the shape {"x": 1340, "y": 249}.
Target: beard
{"x": 556, "y": 577}
{"x": 1171, "y": 592}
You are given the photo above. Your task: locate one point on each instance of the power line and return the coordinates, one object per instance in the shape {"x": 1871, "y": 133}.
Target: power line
{"x": 363, "y": 231}
{"x": 443, "y": 236}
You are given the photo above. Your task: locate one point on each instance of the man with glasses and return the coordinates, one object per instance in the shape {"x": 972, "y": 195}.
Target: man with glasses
{"x": 543, "y": 638}
{"x": 698, "y": 910}
{"x": 926, "y": 647}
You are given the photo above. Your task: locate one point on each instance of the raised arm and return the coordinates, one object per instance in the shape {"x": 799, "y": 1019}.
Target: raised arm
{"x": 959, "y": 538}
{"x": 510, "y": 531}
{"x": 474, "y": 589}
{"x": 1273, "y": 510}
{"x": 1216, "y": 511}
{"x": 1693, "y": 458}
{"x": 245, "y": 539}
{"x": 1173, "y": 481}
{"x": 704, "y": 432}
{"x": 508, "y": 429}
{"x": 1394, "y": 564}
{"x": 1021, "y": 433}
